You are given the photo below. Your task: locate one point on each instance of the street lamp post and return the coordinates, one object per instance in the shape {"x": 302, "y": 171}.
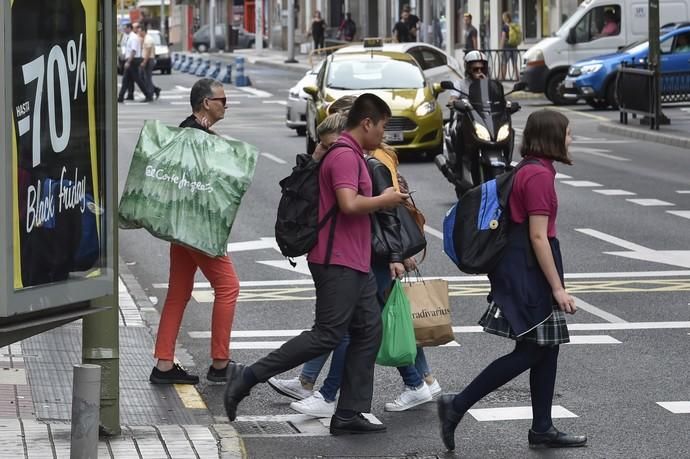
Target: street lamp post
{"x": 291, "y": 32}
{"x": 654, "y": 52}
{"x": 212, "y": 25}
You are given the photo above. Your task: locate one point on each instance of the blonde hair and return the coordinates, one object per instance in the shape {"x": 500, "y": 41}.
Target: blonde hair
{"x": 390, "y": 151}
{"x": 333, "y": 124}
{"x": 342, "y": 105}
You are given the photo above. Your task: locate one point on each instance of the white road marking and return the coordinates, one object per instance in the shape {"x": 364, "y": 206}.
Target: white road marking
{"x": 581, "y": 183}
{"x": 593, "y": 339}
{"x": 172, "y": 96}
{"x": 608, "y": 192}
{"x": 301, "y": 265}
{"x": 433, "y": 232}
{"x": 560, "y": 176}
{"x": 650, "y": 202}
{"x": 676, "y": 407}
{"x": 585, "y": 306}
{"x": 680, "y": 213}
{"x": 255, "y": 92}
{"x": 597, "y": 152}
{"x": 514, "y": 413}
{"x": 637, "y": 252}
{"x": 262, "y": 243}
{"x": 683, "y": 191}
{"x": 278, "y": 102}
{"x": 273, "y": 158}
{"x": 298, "y": 282}
{"x": 183, "y": 88}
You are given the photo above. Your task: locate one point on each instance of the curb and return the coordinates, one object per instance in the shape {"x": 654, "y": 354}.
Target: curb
{"x": 230, "y": 443}
{"x": 647, "y": 134}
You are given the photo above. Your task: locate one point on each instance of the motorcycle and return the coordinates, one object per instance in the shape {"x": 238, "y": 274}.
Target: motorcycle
{"x": 479, "y": 138}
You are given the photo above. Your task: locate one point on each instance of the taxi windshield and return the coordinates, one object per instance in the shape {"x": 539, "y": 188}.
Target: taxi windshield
{"x": 374, "y": 74}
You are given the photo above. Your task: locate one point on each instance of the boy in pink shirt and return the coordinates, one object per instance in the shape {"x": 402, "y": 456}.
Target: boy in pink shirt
{"x": 345, "y": 288}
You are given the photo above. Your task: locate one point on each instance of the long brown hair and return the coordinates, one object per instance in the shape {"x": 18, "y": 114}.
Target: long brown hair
{"x": 544, "y": 136}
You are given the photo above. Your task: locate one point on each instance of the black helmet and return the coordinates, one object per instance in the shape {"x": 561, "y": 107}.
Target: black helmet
{"x": 476, "y": 56}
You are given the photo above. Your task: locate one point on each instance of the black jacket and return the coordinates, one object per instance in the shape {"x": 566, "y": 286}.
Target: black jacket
{"x": 387, "y": 219}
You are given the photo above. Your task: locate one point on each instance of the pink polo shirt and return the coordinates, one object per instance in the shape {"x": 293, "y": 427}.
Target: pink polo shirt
{"x": 344, "y": 168}
{"x": 534, "y": 193}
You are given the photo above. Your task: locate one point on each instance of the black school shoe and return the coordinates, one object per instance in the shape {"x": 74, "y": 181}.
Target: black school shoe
{"x": 449, "y": 419}
{"x": 357, "y": 424}
{"x": 216, "y": 375}
{"x": 553, "y": 438}
{"x": 176, "y": 375}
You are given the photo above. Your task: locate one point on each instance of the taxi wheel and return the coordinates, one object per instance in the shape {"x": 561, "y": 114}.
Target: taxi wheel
{"x": 301, "y": 131}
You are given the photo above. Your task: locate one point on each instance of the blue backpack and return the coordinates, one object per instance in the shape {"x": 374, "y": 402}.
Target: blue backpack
{"x": 475, "y": 230}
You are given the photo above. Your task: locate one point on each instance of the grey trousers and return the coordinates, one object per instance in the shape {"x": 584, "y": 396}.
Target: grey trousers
{"x": 345, "y": 302}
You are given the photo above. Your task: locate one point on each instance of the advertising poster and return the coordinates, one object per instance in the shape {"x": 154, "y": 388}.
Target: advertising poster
{"x": 56, "y": 159}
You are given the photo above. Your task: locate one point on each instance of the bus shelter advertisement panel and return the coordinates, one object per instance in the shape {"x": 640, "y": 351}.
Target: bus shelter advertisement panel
{"x": 56, "y": 162}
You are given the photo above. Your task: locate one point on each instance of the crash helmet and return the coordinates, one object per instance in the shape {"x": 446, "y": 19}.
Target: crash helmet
{"x": 476, "y": 56}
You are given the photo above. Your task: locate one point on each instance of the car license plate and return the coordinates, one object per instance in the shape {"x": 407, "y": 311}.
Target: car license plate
{"x": 568, "y": 84}
{"x": 393, "y": 136}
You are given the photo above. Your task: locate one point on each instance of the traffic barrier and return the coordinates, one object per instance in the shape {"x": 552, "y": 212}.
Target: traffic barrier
{"x": 175, "y": 59}
{"x": 203, "y": 68}
{"x": 195, "y": 65}
{"x": 213, "y": 71}
{"x": 187, "y": 65}
{"x": 178, "y": 64}
{"x": 226, "y": 75}
{"x": 240, "y": 78}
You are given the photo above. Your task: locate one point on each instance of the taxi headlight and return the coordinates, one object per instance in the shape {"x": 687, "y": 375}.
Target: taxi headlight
{"x": 482, "y": 132}
{"x": 426, "y": 108}
{"x": 503, "y": 133}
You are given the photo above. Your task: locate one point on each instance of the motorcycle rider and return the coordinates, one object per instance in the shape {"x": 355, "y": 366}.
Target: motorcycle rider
{"x": 476, "y": 68}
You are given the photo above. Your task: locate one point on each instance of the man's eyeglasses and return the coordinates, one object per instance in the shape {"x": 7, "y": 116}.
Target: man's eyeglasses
{"x": 223, "y": 100}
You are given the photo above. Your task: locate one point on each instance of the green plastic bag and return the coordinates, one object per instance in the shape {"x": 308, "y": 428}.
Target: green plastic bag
{"x": 185, "y": 185}
{"x": 398, "y": 345}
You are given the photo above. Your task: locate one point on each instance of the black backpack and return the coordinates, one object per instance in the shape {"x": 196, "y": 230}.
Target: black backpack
{"x": 297, "y": 223}
{"x": 475, "y": 230}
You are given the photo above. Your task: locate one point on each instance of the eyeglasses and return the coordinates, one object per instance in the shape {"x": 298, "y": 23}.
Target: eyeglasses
{"x": 223, "y": 100}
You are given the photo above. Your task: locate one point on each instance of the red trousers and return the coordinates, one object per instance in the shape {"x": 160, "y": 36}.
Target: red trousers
{"x": 226, "y": 286}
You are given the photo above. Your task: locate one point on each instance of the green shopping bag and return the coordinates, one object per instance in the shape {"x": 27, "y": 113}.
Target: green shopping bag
{"x": 185, "y": 185}
{"x": 398, "y": 345}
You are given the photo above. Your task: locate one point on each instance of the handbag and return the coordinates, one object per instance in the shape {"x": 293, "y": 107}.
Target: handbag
{"x": 430, "y": 311}
{"x": 398, "y": 347}
{"x": 412, "y": 238}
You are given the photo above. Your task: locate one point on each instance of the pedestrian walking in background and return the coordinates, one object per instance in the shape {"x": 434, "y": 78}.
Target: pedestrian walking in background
{"x": 470, "y": 33}
{"x": 318, "y": 30}
{"x": 347, "y": 28}
{"x": 209, "y": 102}
{"x": 345, "y": 286}
{"x": 511, "y": 37}
{"x": 131, "y": 73}
{"x": 148, "y": 56}
{"x": 412, "y": 22}
{"x": 528, "y": 300}
{"x": 401, "y": 29}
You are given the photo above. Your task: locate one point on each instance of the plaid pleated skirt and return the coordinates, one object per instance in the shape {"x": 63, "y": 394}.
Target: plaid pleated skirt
{"x": 551, "y": 332}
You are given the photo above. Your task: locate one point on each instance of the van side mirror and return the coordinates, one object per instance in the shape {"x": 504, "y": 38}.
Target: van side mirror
{"x": 572, "y": 39}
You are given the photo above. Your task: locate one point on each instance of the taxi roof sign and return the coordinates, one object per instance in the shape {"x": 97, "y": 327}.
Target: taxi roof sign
{"x": 372, "y": 43}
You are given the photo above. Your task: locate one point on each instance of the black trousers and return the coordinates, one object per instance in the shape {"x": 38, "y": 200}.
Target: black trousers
{"x": 132, "y": 75}
{"x": 345, "y": 302}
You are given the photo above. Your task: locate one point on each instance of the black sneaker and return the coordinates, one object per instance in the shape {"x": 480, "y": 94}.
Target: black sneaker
{"x": 216, "y": 375}
{"x": 176, "y": 375}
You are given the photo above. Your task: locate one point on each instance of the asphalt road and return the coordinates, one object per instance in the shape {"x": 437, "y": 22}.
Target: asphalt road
{"x": 627, "y": 261}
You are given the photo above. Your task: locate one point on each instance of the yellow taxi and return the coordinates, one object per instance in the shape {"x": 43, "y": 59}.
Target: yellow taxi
{"x": 416, "y": 126}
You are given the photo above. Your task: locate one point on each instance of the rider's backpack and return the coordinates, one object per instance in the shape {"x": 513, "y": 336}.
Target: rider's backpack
{"x": 514, "y": 34}
{"x": 297, "y": 223}
{"x": 475, "y": 230}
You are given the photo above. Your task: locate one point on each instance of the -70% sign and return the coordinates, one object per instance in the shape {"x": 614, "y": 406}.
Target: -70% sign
{"x": 57, "y": 80}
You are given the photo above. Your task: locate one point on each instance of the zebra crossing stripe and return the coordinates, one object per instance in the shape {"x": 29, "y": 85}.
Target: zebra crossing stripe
{"x": 514, "y": 413}
{"x": 676, "y": 407}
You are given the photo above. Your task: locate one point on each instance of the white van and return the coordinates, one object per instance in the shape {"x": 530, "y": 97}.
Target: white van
{"x": 597, "y": 27}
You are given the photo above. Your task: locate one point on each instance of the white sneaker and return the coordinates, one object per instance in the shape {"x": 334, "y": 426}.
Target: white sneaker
{"x": 435, "y": 388}
{"x": 292, "y": 388}
{"x": 315, "y": 406}
{"x": 409, "y": 398}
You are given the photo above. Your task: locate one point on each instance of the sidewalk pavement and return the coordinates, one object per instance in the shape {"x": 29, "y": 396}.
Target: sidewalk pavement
{"x": 676, "y": 134}
{"x": 158, "y": 421}
{"x": 276, "y": 59}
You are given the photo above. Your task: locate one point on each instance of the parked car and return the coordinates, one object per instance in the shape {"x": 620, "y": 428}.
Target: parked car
{"x": 416, "y": 124}
{"x": 296, "y": 116}
{"x": 583, "y": 36}
{"x": 201, "y": 39}
{"x": 594, "y": 79}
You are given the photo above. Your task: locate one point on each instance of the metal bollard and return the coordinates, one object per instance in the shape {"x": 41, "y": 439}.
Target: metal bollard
{"x": 240, "y": 79}
{"x": 203, "y": 68}
{"x": 185, "y": 67}
{"x": 195, "y": 66}
{"x": 180, "y": 62}
{"x": 175, "y": 58}
{"x": 226, "y": 77}
{"x": 213, "y": 71}
{"x": 86, "y": 395}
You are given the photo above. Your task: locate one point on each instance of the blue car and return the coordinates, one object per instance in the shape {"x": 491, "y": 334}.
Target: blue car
{"x": 594, "y": 79}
